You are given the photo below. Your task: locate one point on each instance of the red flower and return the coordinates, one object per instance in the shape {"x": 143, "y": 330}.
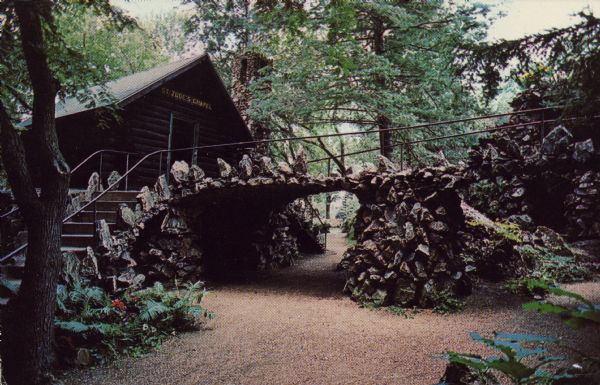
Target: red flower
{"x": 118, "y": 304}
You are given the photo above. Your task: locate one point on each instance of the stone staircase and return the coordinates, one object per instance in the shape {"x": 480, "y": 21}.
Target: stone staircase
{"x": 78, "y": 234}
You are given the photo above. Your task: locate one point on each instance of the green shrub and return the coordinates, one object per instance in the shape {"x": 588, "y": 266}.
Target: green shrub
{"x": 347, "y": 214}
{"x": 550, "y": 266}
{"x": 402, "y": 311}
{"x": 446, "y": 302}
{"x": 90, "y": 320}
{"x": 484, "y": 194}
{"x": 348, "y": 226}
{"x": 528, "y": 286}
{"x": 506, "y": 230}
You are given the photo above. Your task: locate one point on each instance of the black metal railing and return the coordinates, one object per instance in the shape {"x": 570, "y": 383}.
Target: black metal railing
{"x": 542, "y": 123}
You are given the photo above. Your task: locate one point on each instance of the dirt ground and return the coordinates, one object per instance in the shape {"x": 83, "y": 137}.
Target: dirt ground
{"x": 295, "y": 327}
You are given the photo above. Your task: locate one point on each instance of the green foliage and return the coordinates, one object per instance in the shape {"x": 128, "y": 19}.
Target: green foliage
{"x": 347, "y": 214}
{"x": 560, "y": 64}
{"x": 510, "y": 231}
{"x": 585, "y": 312}
{"x": 132, "y": 324}
{"x": 446, "y": 302}
{"x": 168, "y": 32}
{"x": 483, "y": 194}
{"x": 112, "y": 51}
{"x": 527, "y": 286}
{"x": 375, "y": 302}
{"x": 548, "y": 269}
{"x": 519, "y": 363}
{"x": 523, "y": 358}
{"x": 348, "y": 226}
{"x": 552, "y": 267}
{"x": 401, "y": 311}
{"x": 507, "y": 230}
{"x": 329, "y": 73}
{"x": 89, "y": 43}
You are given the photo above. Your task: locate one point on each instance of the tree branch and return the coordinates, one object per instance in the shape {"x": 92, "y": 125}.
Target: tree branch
{"x": 15, "y": 163}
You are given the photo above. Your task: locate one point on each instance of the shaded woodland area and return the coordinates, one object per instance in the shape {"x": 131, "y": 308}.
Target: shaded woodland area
{"x": 474, "y": 165}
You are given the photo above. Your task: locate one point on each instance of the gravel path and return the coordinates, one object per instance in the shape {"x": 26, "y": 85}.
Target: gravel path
{"x": 295, "y": 327}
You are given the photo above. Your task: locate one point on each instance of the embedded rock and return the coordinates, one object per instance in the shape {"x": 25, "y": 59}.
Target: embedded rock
{"x": 196, "y": 173}
{"x": 407, "y": 244}
{"x": 583, "y": 152}
{"x": 225, "y": 170}
{"x": 94, "y": 186}
{"x": 556, "y": 141}
{"x": 105, "y": 242}
{"x": 299, "y": 166}
{"x": 180, "y": 171}
{"x": 245, "y": 167}
{"x": 112, "y": 179}
{"x": 126, "y": 218}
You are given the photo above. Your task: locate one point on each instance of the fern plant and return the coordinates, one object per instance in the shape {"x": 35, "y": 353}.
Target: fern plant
{"x": 133, "y": 324}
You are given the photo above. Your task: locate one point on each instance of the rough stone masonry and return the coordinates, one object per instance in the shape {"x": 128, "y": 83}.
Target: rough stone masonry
{"x": 407, "y": 249}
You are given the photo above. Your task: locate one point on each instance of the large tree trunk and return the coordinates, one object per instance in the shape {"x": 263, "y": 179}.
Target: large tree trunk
{"x": 28, "y": 320}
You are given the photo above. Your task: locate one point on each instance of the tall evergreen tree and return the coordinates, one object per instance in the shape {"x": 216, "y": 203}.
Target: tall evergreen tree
{"x": 340, "y": 65}
{"x": 561, "y": 64}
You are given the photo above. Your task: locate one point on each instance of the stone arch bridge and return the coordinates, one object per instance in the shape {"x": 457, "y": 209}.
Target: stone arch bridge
{"x": 407, "y": 249}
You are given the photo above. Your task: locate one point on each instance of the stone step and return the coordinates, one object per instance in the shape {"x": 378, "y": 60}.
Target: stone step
{"x": 83, "y": 227}
{"x": 78, "y": 233}
{"x": 88, "y": 216}
{"x": 14, "y": 269}
{"x": 77, "y": 240}
{"x": 119, "y": 196}
{"x": 80, "y": 250}
{"x": 110, "y": 205}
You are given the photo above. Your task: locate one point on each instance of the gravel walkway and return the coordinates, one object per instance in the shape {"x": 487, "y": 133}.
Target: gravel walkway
{"x": 295, "y": 327}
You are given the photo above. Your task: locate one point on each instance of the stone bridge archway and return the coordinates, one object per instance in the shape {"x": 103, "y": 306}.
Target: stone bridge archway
{"x": 407, "y": 249}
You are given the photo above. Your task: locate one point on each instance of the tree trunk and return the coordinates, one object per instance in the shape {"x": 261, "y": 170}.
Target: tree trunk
{"x": 28, "y": 320}
{"x": 385, "y": 137}
{"x": 383, "y": 123}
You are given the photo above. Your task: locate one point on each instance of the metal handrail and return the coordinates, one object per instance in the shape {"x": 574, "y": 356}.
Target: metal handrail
{"x": 488, "y": 130}
{"x": 255, "y": 142}
{"x": 13, "y": 210}
{"x": 102, "y": 152}
{"x": 77, "y": 167}
{"x": 81, "y": 164}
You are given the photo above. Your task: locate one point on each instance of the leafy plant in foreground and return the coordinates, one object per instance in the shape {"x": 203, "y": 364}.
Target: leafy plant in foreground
{"x": 532, "y": 365}
{"x": 521, "y": 364}
{"x": 585, "y": 312}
